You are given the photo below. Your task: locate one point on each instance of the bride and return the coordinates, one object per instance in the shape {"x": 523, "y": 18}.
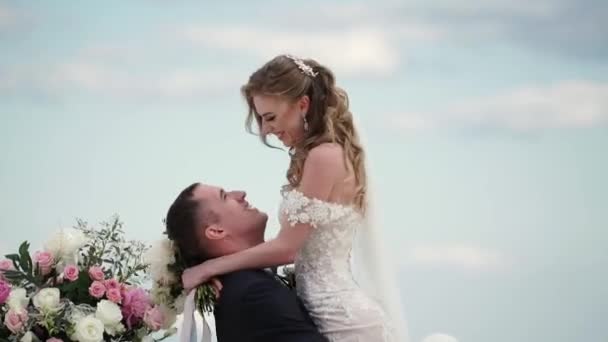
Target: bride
{"x": 325, "y": 211}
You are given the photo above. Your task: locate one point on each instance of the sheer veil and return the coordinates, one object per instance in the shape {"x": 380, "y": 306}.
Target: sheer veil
{"x": 372, "y": 266}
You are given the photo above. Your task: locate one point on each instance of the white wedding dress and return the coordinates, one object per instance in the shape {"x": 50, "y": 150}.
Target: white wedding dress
{"x": 325, "y": 281}
{"x": 331, "y": 290}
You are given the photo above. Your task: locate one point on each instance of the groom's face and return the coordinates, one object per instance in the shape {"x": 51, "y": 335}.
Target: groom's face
{"x": 235, "y": 216}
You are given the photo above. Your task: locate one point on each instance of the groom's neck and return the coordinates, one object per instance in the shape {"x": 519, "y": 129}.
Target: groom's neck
{"x": 255, "y": 238}
{"x": 255, "y": 241}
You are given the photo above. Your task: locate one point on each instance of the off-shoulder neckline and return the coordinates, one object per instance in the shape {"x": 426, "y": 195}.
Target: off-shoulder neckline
{"x": 299, "y": 193}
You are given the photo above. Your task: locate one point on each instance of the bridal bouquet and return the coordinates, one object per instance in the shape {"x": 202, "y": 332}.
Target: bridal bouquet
{"x": 83, "y": 285}
{"x": 166, "y": 268}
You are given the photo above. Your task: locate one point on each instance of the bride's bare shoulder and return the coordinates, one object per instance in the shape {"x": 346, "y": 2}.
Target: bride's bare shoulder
{"x": 326, "y": 152}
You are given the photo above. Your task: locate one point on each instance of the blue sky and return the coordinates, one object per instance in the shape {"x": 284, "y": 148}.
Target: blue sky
{"x": 487, "y": 127}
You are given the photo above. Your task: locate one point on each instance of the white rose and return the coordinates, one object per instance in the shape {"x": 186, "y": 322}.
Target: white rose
{"x": 17, "y": 299}
{"x": 47, "y": 299}
{"x": 29, "y": 337}
{"x": 115, "y": 330}
{"x": 76, "y": 316}
{"x": 89, "y": 329}
{"x": 147, "y": 338}
{"x": 110, "y": 315}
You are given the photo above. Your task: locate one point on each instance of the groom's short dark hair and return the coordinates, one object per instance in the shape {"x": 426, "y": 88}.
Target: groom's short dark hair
{"x": 184, "y": 217}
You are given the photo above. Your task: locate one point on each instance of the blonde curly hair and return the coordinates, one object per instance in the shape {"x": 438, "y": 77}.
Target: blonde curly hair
{"x": 329, "y": 118}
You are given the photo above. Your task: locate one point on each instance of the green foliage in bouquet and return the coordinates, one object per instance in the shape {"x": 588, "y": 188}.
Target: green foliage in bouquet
{"x": 121, "y": 258}
{"x": 205, "y": 298}
{"x": 25, "y": 273}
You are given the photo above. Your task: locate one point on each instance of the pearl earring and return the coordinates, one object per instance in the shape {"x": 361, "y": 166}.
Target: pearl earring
{"x": 305, "y": 122}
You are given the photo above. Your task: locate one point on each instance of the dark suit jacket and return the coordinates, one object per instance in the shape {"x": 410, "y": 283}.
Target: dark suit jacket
{"x": 255, "y": 307}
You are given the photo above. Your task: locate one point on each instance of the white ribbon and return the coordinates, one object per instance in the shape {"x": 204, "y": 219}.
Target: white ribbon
{"x": 188, "y": 332}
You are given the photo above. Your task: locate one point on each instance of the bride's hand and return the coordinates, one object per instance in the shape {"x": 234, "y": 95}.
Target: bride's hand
{"x": 194, "y": 276}
{"x": 216, "y": 285}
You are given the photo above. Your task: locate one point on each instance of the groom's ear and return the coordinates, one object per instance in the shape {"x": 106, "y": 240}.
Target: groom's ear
{"x": 215, "y": 232}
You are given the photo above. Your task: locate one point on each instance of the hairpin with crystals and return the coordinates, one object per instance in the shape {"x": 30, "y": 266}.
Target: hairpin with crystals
{"x": 305, "y": 68}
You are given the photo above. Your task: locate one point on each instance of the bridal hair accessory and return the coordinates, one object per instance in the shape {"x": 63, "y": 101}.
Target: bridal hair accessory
{"x": 305, "y": 68}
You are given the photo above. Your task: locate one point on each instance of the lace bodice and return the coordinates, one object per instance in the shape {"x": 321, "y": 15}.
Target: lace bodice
{"x": 324, "y": 278}
{"x": 324, "y": 261}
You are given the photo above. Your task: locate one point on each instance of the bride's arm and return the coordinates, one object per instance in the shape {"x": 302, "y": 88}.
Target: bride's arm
{"x": 323, "y": 166}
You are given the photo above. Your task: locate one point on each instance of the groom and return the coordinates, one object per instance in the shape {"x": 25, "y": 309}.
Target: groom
{"x": 207, "y": 222}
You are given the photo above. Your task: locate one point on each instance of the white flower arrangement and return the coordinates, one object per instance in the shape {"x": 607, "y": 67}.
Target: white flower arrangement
{"x": 48, "y": 299}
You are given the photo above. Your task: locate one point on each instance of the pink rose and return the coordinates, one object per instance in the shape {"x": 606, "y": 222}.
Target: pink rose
{"x": 96, "y": 273}
{"x": 6, "y": 265}
{"x": 5, "y": 291}
{"x": 54, "y": 339}
{"x": 97, "y": 289}
{"x": 154, "y": 318}
{"x": 135, "y": 303}
{"x": 124, "y": 288}
{"x": 15, "y": 320}
{"x": 45, "y": 261}
{"x": 70, "y": 272}
{"x": 114, "y": 295}
{"x": 112, "y": 284}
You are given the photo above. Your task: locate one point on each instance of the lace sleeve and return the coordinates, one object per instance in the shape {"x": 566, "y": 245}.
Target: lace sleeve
{"x": 301, "y": 209}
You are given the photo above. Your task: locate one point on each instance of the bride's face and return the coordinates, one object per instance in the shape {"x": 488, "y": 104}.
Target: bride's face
{"x": 282, "y": 118}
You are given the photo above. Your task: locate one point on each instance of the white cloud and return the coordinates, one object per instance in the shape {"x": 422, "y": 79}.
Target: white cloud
{"x": 103, "y": 80}
{"x": 119, "y": 52}
{"x": 540, "y": 8}
{"x": 439, "y": 338}
{"x": 576, "y": 104}
{"x": 418, "y": 32}
{"x": 453, "y": 255}
{"x": 565, "y": 27}
{"x": 358, "y": 50}
{"x": 174, "y": 83}
{"x": 378, "y": 15}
